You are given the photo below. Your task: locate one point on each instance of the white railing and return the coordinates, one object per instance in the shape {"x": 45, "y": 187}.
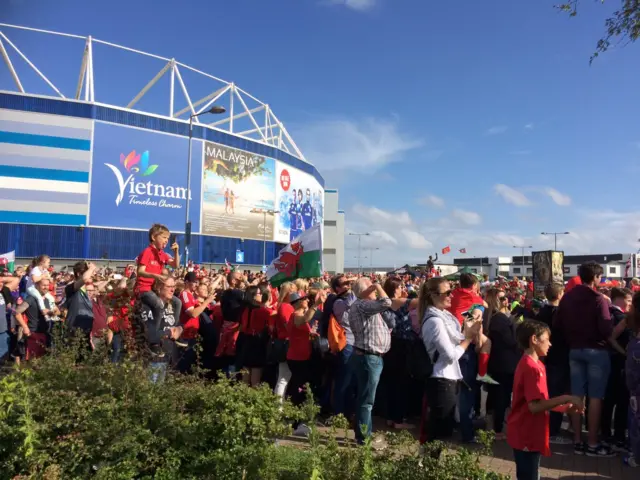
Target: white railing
{"x": 264, "y": 126}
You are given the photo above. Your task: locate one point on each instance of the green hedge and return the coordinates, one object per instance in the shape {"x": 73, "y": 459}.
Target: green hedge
{"x": 61, "y": 420}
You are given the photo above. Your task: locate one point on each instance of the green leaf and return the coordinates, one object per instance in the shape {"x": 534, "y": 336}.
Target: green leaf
{"x": 150, "y": 170}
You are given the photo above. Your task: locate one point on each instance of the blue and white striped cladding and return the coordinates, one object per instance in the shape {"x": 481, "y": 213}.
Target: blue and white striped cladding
{"x": 45, "y": 162}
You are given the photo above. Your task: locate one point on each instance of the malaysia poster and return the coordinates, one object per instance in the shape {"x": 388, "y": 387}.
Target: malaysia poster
{"x": 237, "y": 186}
{"x": 300, "y": 202}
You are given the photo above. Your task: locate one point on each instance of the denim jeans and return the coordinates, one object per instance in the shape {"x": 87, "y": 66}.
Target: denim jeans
{"x": 4, "y": 345}
{"x": 527, "y": 465}
{"x": 157, "y": 372}
{"x": 467, "y": 395}
{"x": 117, "y": 347}
{"x": 367, "y": 369}
{"x": 344, "y": 383}
{"x": 590, "y": 369}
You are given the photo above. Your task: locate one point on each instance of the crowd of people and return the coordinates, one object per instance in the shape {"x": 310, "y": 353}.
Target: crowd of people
{"x": 395, "y": 345}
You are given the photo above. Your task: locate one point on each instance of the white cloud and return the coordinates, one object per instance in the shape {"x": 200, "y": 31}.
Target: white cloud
{"x": 512, "y": 196}
{"x": 559, "y": 198}
{"x": 432, "y": 201}
{"x": 357, "y": 5}
{"x": 466, "y": 217}
{"x": 381, "y": 238}
{"x": 415, "y": 239}
{"x": 378, "y": 216}
{"x": 496, "y": 130}
{"x": 528, "y": 126}
{"x": 365, "y": 145}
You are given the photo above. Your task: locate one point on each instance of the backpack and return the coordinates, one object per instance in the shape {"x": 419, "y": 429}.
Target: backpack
{"x": 336, "y": 335}
{"x": 419, "y": 364}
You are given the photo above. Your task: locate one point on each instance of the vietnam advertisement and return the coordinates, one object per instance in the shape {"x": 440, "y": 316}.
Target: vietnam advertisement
{"x": 238, "y": 187}
{"x": 300, "y": 202}
{"x": 139, "y": 177}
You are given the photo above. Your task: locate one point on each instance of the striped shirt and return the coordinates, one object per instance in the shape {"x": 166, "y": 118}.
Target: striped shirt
{"x": 371, "y": 333}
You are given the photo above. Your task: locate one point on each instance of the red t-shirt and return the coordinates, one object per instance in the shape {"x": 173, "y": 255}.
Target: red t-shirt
{"x": 525, "y": 430}
{"x": 461, "y": 301}
{"x": 154, "y": 260}
{"x": 190, "y": 325}
{"x": 299, "y": 340}
{"x": 285, "y": 311}
{"x": 254, "y": 321}
{"x": 216, "y": 316}
{"x": 572, "y": 283}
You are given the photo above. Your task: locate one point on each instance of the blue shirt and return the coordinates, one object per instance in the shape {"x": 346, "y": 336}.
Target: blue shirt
{"x": 307, "y": 215}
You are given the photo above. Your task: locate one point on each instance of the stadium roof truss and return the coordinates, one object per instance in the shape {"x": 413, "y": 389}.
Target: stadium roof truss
{"x": 264, "y": 126}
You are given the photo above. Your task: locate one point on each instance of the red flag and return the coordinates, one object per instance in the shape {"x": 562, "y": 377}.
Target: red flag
{"x": 463, "y": 250}
{"x": 446, "y": 250}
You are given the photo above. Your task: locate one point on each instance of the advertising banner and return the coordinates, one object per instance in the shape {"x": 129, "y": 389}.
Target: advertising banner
{"x": 139, "y": 177}
{"x": 300, "y": 201}
{"x": 548, "y": 268}
{"x": 237, "y": 187}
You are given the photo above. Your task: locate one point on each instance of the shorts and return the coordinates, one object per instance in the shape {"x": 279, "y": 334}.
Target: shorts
{"x": 590, "y": 369}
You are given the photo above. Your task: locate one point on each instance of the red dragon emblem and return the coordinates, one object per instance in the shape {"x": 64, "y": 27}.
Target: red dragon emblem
{"x": 287, "y": 263}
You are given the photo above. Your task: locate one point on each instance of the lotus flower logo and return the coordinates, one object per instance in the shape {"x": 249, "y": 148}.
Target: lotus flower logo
{"x": 135, "y": 163}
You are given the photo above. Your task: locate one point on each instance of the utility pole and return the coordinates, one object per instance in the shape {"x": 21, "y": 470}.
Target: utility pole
{"x": 359, "y": 235}
{"x": 555, "y": 238}
{"x": 524, "y": 271}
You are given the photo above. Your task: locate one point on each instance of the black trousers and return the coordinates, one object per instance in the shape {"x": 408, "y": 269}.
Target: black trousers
{"x": 300, "y": 375}
{"x": 616, "y": 397}
{"x": 558, "y": 383}
{"x": 396, "y": 380}
{"x": 442, "y": 398}
{"x": 501, "y": 398}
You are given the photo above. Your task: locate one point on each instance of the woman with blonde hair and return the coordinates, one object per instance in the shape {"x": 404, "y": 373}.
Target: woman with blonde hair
{"x": 505, "y": 354}
{"x": 280, "y": 338}
{"x": 445, "y": 343}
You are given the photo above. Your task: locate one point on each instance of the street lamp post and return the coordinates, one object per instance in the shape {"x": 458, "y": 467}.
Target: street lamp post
{"x": 216, "y": 110}
{"x": 523, "y": 247}
{"x": 359, "y": 235}
{"x": 264, "y": 230}
{"x": 555, "y": 237}
{"x": 371, "y": 250}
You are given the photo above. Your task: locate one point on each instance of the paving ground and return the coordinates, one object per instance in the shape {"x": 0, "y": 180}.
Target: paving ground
{"x": 563, "y": 464}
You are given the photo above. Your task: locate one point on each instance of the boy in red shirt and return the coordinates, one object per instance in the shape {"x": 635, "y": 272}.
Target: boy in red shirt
{"x": 153, "y": 259}
{"x": 528, "y": 422}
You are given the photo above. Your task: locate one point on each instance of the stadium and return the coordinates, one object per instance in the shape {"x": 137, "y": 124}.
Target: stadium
{"x": 85, "y": 170}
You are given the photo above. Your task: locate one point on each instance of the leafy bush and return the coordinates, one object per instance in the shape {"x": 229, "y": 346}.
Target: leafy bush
{"x": 60, "y": 419}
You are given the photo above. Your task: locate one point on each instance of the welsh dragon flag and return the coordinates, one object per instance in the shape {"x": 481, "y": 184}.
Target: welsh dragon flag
{"x": 302, "y": 258}
{"x": 8, "y": 261}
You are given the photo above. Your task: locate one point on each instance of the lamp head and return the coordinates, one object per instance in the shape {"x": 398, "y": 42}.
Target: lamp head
{"x": 217, "y": 109}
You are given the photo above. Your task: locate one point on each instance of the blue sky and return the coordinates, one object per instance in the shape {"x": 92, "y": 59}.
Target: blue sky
{"x": 473, "y": 124}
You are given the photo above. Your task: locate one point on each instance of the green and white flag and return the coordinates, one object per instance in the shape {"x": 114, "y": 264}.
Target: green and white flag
{"x": 302, "y": 258}
{"x": 8, "y": 261}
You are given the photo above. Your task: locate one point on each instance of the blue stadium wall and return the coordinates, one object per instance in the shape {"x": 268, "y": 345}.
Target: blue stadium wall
{"x": 77, "y": 242}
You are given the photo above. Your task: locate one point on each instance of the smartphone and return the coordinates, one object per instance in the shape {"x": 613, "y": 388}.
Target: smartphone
{"x": 172, "y": 240}
{"x": 469, "y": 313}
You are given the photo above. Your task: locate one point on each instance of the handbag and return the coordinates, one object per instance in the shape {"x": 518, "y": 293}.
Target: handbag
{"x": 277, "y": 351}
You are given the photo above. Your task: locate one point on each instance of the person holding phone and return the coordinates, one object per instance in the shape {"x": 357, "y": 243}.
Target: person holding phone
{"x": 445, "y": 341}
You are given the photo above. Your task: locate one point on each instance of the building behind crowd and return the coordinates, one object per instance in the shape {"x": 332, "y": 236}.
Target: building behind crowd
{"x": 616, "y": 265}
{"x": 83, "y": 176}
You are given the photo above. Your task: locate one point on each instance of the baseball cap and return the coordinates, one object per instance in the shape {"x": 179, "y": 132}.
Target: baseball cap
{"x": 295, "y": 296}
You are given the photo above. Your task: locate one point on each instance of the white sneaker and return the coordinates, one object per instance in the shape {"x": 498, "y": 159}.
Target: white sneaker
{"x": 487, "y": 379}
{"x": 302, "y": 431}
